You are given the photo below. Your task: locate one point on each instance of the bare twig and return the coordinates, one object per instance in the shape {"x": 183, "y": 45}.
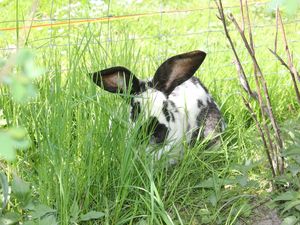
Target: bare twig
{"x": 292, "y": 69}
{"x": 262, "y": 94}
{"x": 242, "y": 76}
{"x": 276, "y": 33}
{"x": 260, "y": 130}
{"x": 258, "y": 86}
{"x": 242, "y": 12}
{"x": 263, "y": 81}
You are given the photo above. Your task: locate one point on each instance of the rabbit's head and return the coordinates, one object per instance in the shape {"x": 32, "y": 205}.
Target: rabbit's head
{"x": 148, "y": 98}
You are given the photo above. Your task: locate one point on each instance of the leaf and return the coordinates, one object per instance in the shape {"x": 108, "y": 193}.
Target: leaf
{"x": 287, "y": 196}
{"x": 91, "y": 216}
{"x": 23, "y": 56}
{"x": 7, "y": 150}
{"x": 288, "y": 6}
{"x": 21, "y": 190}
{"x": 213, "y": 199}
{"x": 5, "y": 188}
{"x": 291, "y": 220}
{"x": 10, "y": 218}
{"x": 242, "y": 180}
{"x": 29, "y": 223}
{"x": 48, "y": 220}
{"x": 10, "y": 140}
{"x": 294, "y": 168}
{"x": 291, "y": 6}
{"x": 25, "y": 59}
{"x": 19, "y": 186}
{"x": 291, "y": 205}
{"x": 41, "y": 210}
{"x": 22, "y": 90}
{"x": 74, "y": 211}
{"x": 209, "y": 183}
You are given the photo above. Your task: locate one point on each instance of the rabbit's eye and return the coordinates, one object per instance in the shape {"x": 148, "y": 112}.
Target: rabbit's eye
{"x": 135, "y": 110}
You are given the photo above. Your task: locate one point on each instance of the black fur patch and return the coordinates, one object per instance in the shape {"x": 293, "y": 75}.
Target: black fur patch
{"x": 168, "y": 114}
{"x": 196, "y": 81}
{"x": 135, "y": 110}
{"x": 200, "y": 123}
{"x": 173, "y": 105}
{"x": 199, "y": 103}
{"x": 166, "y": 111}
{"x": 157, "y": 130}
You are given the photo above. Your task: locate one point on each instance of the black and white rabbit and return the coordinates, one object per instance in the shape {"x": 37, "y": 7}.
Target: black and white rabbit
{"x": 175, "y": 103}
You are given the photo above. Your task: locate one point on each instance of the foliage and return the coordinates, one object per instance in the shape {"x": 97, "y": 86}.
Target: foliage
{"x": 22, "y": 90}
{"x": 289, "y": 6}
{"x": 20, "y": 205}
{"x": 288, "y": 199}
{"x": 84, "y": 161}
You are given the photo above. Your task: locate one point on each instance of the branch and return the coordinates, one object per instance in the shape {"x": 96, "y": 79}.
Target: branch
{"x": 260, "y": 130}
{"x": 292, "y": 69}
{"x": 242, "y": 77}
{"x": 263, "y": 81}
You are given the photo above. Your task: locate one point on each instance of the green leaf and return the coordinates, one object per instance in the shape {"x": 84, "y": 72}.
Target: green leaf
{"x": 288, "y": 6}
{"x": 91, "y": 216}
{"x": 23, "y": 56}
{"x": 209, "y": 183}
{"x": 20, "y": 137}
{"x": 7, "y": 150}
{"x": 74, "y": 211}
{"x": 41, "y": 210}
{"x": 294, "y": 168}
{"x": 5, "y": 188}
{"x": 19, "y": 186}
{"x": 22, "y": 90}
{"x": 10, "y": 218}
{"x": 291, "y": 220}
{"x": 29, "y": 223}
{"x": 10, "y": 140}
{"x": 242, "y": 180}
{"x": 25, "y": 59}
{"x": 21, "y": 190}
{"x": 48, "y": 220}
{"x": 291, "y": 205}
{"x": 287, "y": 196}
{"x": 213, "y": 199}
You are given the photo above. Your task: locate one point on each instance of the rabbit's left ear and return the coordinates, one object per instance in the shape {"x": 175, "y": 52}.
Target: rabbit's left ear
{"x": 177, "y": 69}
{"x": 116, "y": 80}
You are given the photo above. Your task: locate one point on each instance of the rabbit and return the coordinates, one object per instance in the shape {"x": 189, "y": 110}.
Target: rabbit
{"x": 174, "y": 103}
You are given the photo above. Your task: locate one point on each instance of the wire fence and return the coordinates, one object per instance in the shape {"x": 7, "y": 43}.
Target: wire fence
{"x": 55, "y": 32}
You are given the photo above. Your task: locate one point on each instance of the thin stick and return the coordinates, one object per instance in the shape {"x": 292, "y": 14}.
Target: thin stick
{"x": 274, "y": 150}
{"x": 276, "y": 33}
{"x": 260, "y": 130}
{"x": 292, "y": 68}
{"x": 263, "y": 81}
{"x": 242, "y": 76}
{"x": 242, "y": 12}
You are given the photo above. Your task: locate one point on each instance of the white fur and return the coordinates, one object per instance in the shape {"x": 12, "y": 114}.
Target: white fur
{"x": 185, "y": 111}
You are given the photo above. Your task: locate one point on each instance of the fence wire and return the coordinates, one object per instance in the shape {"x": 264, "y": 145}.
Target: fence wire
{"x": 55, "y": 32}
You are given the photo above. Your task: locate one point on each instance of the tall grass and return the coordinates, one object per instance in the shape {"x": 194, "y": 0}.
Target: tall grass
{"x": 86, "y": 153}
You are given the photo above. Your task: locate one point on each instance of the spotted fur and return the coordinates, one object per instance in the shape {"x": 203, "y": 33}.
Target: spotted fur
{"x": 175, "y": 104}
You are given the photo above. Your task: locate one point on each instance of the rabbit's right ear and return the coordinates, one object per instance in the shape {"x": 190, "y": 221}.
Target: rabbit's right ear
{"x": 116, "y": 80}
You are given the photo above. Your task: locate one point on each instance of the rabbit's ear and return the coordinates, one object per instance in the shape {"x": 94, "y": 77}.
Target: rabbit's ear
{"x": 176, "y": 70}
{"x": 116, "y": 80}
